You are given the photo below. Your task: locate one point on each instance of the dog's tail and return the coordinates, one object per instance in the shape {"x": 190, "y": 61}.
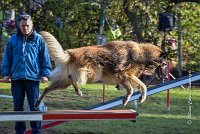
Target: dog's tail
{"x": 55, "y": 49}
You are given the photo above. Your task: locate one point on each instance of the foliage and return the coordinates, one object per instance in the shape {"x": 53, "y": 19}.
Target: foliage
{"x": 79, "y": 21}
{"x": 191, "y": 34}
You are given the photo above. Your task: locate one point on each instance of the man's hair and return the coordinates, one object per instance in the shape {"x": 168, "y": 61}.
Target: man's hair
{"x": 24, "y": 16}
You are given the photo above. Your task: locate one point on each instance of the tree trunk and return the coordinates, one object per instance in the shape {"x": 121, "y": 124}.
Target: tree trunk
{"x": 132, "y": 16}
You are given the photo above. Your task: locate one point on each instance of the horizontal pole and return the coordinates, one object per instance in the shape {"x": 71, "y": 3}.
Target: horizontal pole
{"x": 69, "y": 115}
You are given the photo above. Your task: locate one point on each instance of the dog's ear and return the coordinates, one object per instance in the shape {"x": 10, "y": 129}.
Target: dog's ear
{"x": 161, "y": 58}
{"x": 163, "y": 54}
{"x": 157, "y": 61}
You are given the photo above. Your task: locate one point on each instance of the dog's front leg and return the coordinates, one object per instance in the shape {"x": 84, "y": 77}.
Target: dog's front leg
{"x": 142, "y": 89}
{"x": 127, "y": 85}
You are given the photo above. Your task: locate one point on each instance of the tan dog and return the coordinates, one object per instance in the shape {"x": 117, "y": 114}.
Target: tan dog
{"x": 117, "y": 62}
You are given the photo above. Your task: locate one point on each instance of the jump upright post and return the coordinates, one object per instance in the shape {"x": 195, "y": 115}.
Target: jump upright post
{"x": 166, "y": 23}
{"x": 168, "y": 91}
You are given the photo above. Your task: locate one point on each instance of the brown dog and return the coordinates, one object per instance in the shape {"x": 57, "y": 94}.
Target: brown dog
{"x": 117, "y": 62}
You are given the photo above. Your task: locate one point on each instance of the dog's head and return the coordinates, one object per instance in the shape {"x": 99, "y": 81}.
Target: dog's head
{"x": 157, "y": 66}
{"x": 161, "y": 69}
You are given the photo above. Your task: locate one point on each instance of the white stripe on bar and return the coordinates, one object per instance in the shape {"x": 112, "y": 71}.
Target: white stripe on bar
{"x": 30, "y": 117}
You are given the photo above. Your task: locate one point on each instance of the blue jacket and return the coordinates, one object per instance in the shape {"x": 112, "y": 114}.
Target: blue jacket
{"x": 26, "y": 57}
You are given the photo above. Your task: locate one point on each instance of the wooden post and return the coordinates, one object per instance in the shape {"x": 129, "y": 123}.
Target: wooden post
{"x": 103, "y": 93}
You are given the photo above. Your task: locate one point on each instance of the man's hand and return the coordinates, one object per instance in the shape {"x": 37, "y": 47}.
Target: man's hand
{"x": 6, "y": 79}
{"x": 43, "y": 79}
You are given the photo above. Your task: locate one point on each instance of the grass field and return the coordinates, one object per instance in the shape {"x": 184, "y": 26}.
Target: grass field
{"x": 153, "y": 115}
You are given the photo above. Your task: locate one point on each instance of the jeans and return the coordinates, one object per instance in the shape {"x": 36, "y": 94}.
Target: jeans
{"x": 31, "y": 89}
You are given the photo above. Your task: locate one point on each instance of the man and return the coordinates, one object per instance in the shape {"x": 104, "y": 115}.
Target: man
{"x": 26, "y": 62}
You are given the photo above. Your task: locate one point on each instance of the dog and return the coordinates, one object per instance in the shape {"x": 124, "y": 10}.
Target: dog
{"x": 117, "y": 62}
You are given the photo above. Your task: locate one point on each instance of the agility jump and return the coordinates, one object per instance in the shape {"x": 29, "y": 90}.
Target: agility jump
{"x": 66, "y": 115}
{"x": 61, "y": 116}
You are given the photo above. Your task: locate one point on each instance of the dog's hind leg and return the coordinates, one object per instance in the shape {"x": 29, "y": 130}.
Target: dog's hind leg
{"x": 77, "y": 89}
{"x": 54, "y": 85}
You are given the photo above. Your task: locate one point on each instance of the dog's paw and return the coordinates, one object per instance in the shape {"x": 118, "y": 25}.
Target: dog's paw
{"x": 125, "y": 101}
{"x": 142, "y": 98}
{"x": 79, "y": 93}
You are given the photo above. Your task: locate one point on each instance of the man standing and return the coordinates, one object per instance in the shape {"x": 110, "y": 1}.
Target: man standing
{"x": 26, "y": 62}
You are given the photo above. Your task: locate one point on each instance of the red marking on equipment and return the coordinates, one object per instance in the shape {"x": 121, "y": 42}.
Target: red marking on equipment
{"x": 45, "y": 126}
{"x": 90, "y": 115}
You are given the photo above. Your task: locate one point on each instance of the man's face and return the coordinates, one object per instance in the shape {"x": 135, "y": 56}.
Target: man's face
{"x": 26, "y": 26}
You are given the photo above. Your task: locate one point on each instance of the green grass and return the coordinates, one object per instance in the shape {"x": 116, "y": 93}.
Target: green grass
{"x": 153, "y": 115}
